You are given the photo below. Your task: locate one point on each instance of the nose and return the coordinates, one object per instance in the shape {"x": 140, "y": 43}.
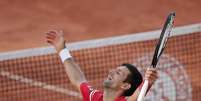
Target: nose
{"x": 112, "y": 71}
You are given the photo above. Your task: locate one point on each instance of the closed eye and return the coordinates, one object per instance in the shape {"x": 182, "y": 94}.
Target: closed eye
{"x": 118, "y": 73}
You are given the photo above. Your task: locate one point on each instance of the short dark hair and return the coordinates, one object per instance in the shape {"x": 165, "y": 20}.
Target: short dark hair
{"x": 134, "y": 78}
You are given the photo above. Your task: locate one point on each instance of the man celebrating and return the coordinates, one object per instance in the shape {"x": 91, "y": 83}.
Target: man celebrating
{"x": 121, "y": 84}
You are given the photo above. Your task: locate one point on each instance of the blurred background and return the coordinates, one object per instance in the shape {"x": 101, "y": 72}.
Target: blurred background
{"x": 24, "y": 22}
{"x": 30, "y": 71}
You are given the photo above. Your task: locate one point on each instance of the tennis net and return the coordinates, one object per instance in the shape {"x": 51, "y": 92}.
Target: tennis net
{"x": 38, "y": 75}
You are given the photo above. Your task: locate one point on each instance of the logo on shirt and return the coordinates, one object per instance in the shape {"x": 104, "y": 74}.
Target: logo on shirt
{"x": 173, "y": 83}
{"x": 90, "y": 88}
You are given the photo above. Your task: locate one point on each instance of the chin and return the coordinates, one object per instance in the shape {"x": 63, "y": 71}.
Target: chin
{"x": 108, "y": 84}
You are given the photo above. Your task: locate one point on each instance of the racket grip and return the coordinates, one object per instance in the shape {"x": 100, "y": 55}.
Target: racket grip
{"x": 143, "y": 91}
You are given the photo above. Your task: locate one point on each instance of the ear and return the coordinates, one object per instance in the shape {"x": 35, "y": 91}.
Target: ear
{"x": 125, "y": 86}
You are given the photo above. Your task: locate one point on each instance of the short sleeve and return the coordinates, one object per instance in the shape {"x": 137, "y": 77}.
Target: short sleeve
{"x": 85, "y": 90}
{"x": 122, "y": 98}
{"x": 89, "y": 94}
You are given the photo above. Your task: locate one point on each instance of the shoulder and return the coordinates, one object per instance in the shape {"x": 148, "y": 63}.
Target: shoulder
{"x": 89, "y": 93}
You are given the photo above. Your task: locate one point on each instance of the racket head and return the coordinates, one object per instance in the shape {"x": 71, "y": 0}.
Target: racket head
{"x": 163, "y": 38}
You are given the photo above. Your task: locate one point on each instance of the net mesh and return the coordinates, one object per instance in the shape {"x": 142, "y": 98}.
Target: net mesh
{"x": 43, "y": 78}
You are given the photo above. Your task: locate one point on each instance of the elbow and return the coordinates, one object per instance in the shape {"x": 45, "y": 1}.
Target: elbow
{"x": 77, "y": 82}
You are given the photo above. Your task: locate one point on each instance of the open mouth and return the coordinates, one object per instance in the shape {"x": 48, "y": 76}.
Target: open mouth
{"x": 109, "y": 77}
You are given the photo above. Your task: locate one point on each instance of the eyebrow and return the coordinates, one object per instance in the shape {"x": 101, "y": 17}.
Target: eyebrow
{"x": 122, "y": 72}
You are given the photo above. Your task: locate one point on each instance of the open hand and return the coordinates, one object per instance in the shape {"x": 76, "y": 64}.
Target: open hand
{"x": 56, "y": 38}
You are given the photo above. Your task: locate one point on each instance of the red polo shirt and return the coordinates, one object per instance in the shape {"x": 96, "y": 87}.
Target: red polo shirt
{"x": 90, "y": 94}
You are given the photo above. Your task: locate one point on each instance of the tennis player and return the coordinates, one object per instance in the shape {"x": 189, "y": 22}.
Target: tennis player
{"x": 121, "y": 84}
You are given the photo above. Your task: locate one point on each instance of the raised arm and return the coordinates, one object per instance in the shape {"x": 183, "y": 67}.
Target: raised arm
{"x": 72, "y": 69}
{"x": 151, "y": 75}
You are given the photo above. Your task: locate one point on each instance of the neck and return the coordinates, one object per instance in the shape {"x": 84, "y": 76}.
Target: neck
{"x": 110, "y": 94}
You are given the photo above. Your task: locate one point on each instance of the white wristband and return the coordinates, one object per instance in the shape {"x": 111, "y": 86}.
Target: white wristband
{"x": 64, "y": 54}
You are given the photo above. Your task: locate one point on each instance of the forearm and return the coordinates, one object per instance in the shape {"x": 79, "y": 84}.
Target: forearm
{"x": 72, "y": 69}
{"x": 56, "y": 38}
{"x": 74, "y": 72}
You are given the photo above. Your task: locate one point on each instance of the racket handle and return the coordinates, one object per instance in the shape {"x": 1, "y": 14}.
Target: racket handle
{"x": 143, "y": 91}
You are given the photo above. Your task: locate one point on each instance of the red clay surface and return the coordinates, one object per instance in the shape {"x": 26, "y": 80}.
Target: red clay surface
{"x": 23, "y": 22}
{"x": 97, "y": 62}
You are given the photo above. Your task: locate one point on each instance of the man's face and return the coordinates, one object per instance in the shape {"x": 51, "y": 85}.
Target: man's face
{"x": 116, "y": 77}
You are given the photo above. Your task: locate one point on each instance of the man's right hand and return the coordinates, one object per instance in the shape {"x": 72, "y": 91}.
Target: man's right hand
{"x": 56, "y": 38}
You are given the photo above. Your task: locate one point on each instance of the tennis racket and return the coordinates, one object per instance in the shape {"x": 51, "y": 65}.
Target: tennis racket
{"x": 159, "y": 50}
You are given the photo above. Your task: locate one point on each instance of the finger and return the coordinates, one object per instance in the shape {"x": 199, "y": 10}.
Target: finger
{"x": 50, "y": 37}
{"x": 151, "y": 78}
{"x": 49, "y": 41}
{"x": 56, "y": 32}
{"x": 148, "y": 74}
{"x": 150, "y": 68}
{"x": 51, "y": 34}
{"x": 152, "y": 81}
{"x": 53, "y": 31}
{"x": 151, "y": 71}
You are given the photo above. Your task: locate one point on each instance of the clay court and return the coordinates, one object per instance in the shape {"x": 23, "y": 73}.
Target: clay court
{"x": 24, "y": 22}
